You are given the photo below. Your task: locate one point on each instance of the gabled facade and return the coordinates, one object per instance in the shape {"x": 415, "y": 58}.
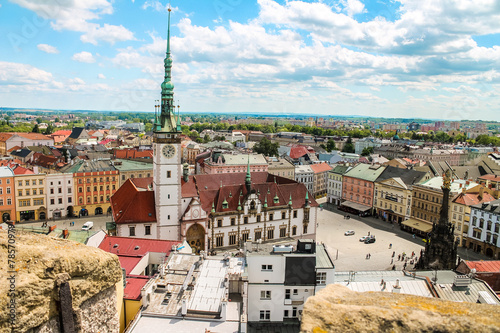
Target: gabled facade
{"x": 320, "y": 178}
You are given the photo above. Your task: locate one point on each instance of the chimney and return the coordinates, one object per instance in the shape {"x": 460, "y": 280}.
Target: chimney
{"x": 481, "y": 193}
{"x": 185, "y": 172}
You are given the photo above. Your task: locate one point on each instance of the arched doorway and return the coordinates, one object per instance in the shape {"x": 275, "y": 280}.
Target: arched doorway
{"x": 42, "y": 216}
{"x": 98, "y": 211}
{"x": 195, "y": 237}
{"x": 6, "y": 217}
{"x": 70, "y": 211}
{"x": 489, "y": 252}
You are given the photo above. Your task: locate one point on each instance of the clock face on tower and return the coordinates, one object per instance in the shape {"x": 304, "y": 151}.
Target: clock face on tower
{"x": 168, "y": 151}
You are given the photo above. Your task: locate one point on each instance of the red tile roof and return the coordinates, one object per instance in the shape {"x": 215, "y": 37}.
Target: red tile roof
{"x": 133, "y": 287}
{"x": 14, "y": 149}
{"x": 298, "y": 151}
{"x": 128, "y": 263}
{"x": 484, "y": 266}
{"x": 138, "y": 247}
{"x": 132, "y": 153}
{"x": 131, "y": 204}
{"x": 34, "y": 136}
{"x": 61, "y": 133}
{"x": 143, "y": 207}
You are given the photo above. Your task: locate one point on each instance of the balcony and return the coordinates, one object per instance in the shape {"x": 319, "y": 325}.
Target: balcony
{"x": 294, "y": 301}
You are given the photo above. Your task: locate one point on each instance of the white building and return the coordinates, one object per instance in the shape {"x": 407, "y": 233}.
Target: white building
{"x": 334, "y": 185}
{"x": 281, "y": 278}
{"x": 305, "y": 175}
{"x": 59, "y": 189}
{"x": 484, "y": 229}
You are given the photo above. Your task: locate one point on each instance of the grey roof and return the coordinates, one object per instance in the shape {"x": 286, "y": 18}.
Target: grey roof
{"x": 490, "y": 207}
{"x": 323, "y": 259}
{"x": 409, "y": 177}
{"x": 446, "y": 290}
{"x": 22, "y": 153}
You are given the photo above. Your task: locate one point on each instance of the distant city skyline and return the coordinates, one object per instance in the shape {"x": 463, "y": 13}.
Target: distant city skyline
{"x": 397, "y": 59}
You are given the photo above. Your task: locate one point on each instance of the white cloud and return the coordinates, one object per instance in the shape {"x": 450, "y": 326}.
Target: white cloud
{"x": 76, "y": 16}
{"x": 101, "y": 76}
{"x": 84, "y": 56}
{"x": 47, "y": 48}
{"x": 107, "y": 33}
{"x": 22, "y": 74}
{"x": 353, "y": 7}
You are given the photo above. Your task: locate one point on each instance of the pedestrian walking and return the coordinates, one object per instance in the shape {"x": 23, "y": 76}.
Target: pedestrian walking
{"x": 369, "y": 256}
{"x": 393, "y": 267}
{"x": 404, "y": 266}
{"x": 399, "y": 257}
{"x": 390, "y": 246}
{"x": 366, "y": 257}
{"x": 392, "y": 260}
{"x": 393, "y": 253}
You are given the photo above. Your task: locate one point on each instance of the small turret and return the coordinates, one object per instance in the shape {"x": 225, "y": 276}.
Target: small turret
{"x": 185, "y": 172}
{"x": 248, "y": 178}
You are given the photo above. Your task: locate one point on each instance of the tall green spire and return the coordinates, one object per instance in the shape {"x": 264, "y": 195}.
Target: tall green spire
{"x": 248, "y": 178}
{"x": 167, "y": 122}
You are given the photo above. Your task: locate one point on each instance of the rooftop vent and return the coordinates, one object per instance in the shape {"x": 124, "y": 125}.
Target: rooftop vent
{"x": 282, "y": 248}
{"x": 115, "y": 246}
{"x": 136, "y": 248}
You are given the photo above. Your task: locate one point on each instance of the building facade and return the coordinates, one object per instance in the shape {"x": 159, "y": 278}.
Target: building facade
{"x": 305, "y": 175}
{"x": 277, "y": 291}
{"x": 7, "y": 194}
{"x": 460, "y": 211}
{"x": 59, "y": 189}
{"x": 484, "y": 229}
{"x": 320, "y": 179}
{"x": 30, "y": 197}
{"x": 334, "y": 185}
{"x": 358, "y": 185}
{"x": 281, "y": 167}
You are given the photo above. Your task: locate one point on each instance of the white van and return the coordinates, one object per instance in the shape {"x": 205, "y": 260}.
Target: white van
{"x": 87, "y": 226}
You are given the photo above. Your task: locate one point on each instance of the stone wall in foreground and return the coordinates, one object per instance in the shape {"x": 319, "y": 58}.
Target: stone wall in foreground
{"x": 338, "y": 309}
{"x": 44, "y": 266}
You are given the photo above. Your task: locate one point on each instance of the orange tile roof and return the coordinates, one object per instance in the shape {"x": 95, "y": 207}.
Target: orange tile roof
{"x": 491, "y": 177}
{"x": 469, "y": 199}
{"x": 19, "y": 170}
{"x": 484, "y": 265}
{"x": 320, "y": 167}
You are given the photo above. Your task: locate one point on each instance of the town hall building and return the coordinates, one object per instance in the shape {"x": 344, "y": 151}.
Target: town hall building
{"x": 208, "y": 211}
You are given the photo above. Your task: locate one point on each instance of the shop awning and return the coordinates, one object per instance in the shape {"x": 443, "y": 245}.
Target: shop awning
{"x": 419, "y": 225}
{"x": 356, "y": 206}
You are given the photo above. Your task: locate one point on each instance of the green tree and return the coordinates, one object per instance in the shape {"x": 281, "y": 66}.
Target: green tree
{"x": 367, "y": 151}
{"x": 49, "y": 129}
{"x": 266, "y": 147}
{"x": 206, "y": 139}
{"x": 349, "y": 146}
{"x": 35, "y": 129}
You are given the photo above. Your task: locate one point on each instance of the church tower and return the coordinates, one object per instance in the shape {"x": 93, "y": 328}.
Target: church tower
{"x": 167, "y": 168}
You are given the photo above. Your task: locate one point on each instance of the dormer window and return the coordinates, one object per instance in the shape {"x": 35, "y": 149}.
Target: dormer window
{"x": 252, "y": 205}
{"x": 225, "y": 204}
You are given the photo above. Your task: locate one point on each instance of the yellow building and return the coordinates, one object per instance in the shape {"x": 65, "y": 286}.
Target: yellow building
{"x": 30, "y": 197}
{"x": 393, "y": 193}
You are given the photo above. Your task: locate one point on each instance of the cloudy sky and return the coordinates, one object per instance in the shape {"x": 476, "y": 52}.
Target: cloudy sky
{"x": 437, "y": 59}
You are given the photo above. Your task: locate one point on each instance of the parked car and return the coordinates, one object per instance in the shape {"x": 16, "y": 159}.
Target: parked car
{"x": 370, "y": 240}
{"x": 349, "y": 233}
{"x": 87, "y": 226}
{"x": 362, "y": 239}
